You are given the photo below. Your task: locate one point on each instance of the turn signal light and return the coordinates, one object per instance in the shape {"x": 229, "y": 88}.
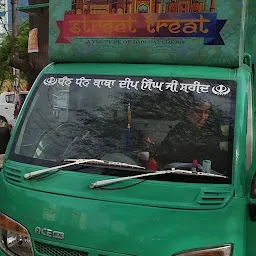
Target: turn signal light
{"x": 8, "y": 224}
{"x": 225, "y": 250}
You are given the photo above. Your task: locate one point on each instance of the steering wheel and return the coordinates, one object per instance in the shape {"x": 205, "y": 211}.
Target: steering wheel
{"x": 48, "y": 138}
{"x": 64, "y": 139}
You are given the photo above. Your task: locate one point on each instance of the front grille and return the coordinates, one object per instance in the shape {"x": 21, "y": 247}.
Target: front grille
{"x": 52, "y": 250}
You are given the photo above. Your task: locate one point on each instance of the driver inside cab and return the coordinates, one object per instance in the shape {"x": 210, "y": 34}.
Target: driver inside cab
{"x": 196, "y": 137}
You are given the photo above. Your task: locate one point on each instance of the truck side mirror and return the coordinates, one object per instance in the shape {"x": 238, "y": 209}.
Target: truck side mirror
{"x": 4, "y": 138}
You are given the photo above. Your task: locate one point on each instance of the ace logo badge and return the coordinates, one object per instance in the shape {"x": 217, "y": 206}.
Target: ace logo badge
{"x": 221, "y": 90}
{"x": 49, "y": 232}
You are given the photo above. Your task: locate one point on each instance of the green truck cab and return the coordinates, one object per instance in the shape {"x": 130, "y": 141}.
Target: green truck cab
{"x": 139, "y": 138}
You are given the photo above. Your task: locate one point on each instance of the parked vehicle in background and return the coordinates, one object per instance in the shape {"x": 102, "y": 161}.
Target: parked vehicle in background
{"x": 7, "y": 106}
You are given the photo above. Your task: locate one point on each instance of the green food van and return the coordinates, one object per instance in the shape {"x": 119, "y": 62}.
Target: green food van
{"x": 138, "y": 138}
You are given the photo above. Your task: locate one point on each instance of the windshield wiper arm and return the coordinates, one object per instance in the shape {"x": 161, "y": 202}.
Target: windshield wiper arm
{"x": 86, "y": 162}
{"x": 103, "y": 183}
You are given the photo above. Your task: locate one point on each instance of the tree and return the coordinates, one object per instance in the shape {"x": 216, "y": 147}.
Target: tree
{"x": 31, "y": 64}
{"x": 5, "y": 69}
{"x": 5, "y": 51}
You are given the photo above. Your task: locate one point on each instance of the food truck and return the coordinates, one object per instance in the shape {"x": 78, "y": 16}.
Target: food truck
{"x": 138, "y": 138}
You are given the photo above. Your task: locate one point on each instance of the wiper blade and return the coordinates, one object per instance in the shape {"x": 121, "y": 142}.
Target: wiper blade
{"x": 86, "y": 162}
{"x": 103, "y": 183}
{"x": 33, "y": 174}
{"x": 109, "y": 163}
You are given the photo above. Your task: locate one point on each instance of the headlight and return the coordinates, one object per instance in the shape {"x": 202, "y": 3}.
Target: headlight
{"x": 225, "y": 250}
{"x": 14, "y": 238}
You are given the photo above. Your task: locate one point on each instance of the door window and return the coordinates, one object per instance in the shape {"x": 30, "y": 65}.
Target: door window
{"x": 9, "y": 98}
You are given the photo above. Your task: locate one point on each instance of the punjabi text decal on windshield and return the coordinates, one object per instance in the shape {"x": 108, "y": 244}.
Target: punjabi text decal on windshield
{"x": 143, "y": 84}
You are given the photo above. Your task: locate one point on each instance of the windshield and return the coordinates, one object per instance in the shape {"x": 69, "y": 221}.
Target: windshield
{"x": 154, "y": 122}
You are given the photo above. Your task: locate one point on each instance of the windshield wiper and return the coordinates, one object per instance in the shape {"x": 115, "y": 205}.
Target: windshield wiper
{"x": 85, "y": 162}
{"x": 103, "y": 183}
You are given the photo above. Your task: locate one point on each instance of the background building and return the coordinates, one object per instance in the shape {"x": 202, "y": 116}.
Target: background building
{"x": 3, "y": 18}
{"x": 6, "y": 16}
{"x": 22, "y": 16}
